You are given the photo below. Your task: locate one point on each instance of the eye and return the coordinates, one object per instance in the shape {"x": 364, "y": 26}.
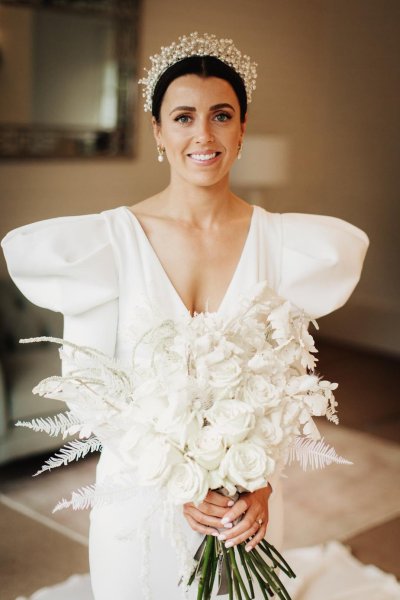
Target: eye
{"x": 184, "y": 119}
{"x": 222, "y": 117}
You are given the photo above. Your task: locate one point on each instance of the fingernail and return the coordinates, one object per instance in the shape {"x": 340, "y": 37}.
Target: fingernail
{"x": 247, "y": 548}
{"x": 231, "y": 503}
{"x": 228, "y": 544}
{"x": 222, "y": 537}
{"x": 228, "y": 525}
{"x": 214, "y": 533}
{"x": 225, "y": 520}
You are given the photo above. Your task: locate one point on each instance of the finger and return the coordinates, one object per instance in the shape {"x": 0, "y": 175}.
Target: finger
{"x": 257, "y": 538}
{"x": 244, "y": 524}
{"x": 243, "y": 536}
{"x": 219, "y": 499}
{"x": 199, "y": 527}
{"x": 211, "y": 509}
{"x": 236, "y": 511}
{"x": 203, "y": 518}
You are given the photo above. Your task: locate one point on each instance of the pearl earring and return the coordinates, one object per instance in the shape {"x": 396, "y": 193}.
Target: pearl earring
{"x": 239, "y": 154}
{"x": 161, "y": 153}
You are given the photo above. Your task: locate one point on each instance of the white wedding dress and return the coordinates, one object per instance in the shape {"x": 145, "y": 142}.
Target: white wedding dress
{"x": 95, "y": 268}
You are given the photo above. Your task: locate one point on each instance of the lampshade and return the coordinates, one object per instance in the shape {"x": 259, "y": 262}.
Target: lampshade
{"x": 264, "y": 162}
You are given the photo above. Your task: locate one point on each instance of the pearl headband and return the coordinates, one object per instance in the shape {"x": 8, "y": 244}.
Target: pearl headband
{"x": 196, "y": 44}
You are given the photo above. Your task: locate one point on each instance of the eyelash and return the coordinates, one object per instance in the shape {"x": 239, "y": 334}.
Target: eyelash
{"x": 227, "y": 116}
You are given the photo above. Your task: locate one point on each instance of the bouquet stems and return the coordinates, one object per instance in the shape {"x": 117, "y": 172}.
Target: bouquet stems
{"x": 215, "y": 557}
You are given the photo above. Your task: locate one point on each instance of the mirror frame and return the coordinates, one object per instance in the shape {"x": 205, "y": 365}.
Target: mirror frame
{"x": 33, "y": 142}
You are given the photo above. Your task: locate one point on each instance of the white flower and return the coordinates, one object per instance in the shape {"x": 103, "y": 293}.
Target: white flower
{"x": 248, "y": 465}
{"x": 156, "y": 461}
{"x": 227, "y": 374}
{"x": 208, "y": 448}
{"x": 232, "y": 418}
{"x": 280, "y": 322}
{"x": 178, "y": 420}
{"x": 187, "y": 482}
{"x": 261, "y": 394}
{"x": 269, "y": 429}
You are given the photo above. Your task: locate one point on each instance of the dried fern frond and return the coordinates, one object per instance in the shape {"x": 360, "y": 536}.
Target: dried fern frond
{"x": 81, "y": 499}
{"x": 53, "y": 426}
{"x": 71, "y": 451}
{"x": 315, "y": 454}
{"x": 331, "y": 415}
{"x": 96, "y": 495}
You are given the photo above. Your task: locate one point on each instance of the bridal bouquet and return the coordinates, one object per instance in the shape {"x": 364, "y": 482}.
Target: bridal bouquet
{"x": 206, "y": 402}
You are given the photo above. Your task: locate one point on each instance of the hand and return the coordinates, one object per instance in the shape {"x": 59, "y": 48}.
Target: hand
{"x": 206, "y": 517}
{"x": 254, "y": 506}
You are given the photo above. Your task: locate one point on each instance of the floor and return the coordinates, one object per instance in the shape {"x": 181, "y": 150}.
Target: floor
{"x": 358, "y": 505}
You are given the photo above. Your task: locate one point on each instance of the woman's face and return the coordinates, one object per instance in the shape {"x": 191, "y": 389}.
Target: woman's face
{"x": 200, "y": 128}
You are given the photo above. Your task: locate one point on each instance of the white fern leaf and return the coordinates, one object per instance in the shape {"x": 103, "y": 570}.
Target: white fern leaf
{"x": 331, "y": 415}
{"x": 314, "y": 454}
{"x": 81, "y": 499}
{"x": 96, "y": 495}
{"x": 71, "y": 451}
{"x": 53, "y": 426}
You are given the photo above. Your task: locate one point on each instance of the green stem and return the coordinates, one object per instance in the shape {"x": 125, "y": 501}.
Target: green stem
{"x": 237, "y": 574}
{"x": 227, "y": 565}
{"x": 261, "y": 582}
{"x": 205, "y": 565}
{"x": 265, "y": 570}
{"x": 237, "y": 588}
{"x": 246, "y": 570}
{"x": 271, "y": 576}
{"x": 282, "y": 562}
{"x": 214, "y": 569}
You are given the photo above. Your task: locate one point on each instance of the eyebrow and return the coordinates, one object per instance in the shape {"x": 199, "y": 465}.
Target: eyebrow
{"x": 193, "y": 108}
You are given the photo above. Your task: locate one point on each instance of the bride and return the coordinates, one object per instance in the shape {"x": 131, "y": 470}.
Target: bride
{"x": 193, "y": 247}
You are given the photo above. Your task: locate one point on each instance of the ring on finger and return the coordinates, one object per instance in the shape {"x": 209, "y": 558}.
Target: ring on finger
{"x": 260, "y": 521}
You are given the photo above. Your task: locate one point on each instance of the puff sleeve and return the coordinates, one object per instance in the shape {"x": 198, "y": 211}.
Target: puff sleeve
{"x": 64, "y": 264}
{"x": 67, "y": 265}
{"x": 321, "y": 261}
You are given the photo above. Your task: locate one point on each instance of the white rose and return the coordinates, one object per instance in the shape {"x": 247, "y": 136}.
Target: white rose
{"x": 247, "y": 464}
{"x": 259, "y": 393}
{"x": 232, "y": 418}
{"x": 178, "y": 420}
{"x": 269, "y": 429}
{"x": 155, "y": 462}
{"x": 208, "y": 448}
{"x": 187, "y": 482}
{"x": 226, "y": 375}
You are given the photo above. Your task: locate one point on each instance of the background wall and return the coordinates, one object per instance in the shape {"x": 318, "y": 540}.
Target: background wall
{"x": 328, "y": 81}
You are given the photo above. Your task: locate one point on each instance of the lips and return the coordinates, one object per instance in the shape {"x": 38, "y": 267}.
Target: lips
{"x": 204, "y": 157}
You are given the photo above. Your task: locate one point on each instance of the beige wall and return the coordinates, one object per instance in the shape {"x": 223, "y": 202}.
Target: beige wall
{"x": 328, "y": 82}
{"x": 16, "y": 56}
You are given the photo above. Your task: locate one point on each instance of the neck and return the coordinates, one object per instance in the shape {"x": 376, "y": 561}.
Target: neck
{"x": 201, "y": 205}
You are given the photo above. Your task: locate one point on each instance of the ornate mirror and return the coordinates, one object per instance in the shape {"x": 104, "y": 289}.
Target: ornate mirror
{"x": 67, "y": 78}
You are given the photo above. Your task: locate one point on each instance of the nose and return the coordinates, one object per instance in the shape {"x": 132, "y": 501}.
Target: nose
{"x": 204, "y": 133}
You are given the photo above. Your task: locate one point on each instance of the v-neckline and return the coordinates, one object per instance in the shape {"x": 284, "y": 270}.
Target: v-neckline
{"x": 135, "y": 221}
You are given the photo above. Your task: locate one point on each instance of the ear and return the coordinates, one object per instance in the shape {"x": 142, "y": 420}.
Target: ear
{"x": 157, "y": 131}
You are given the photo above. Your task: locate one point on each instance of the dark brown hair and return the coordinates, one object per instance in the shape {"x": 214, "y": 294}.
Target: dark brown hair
{"x": 204, "y": 66}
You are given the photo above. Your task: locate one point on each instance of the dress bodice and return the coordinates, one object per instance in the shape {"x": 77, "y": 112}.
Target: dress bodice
{"x": 95, "y": 268}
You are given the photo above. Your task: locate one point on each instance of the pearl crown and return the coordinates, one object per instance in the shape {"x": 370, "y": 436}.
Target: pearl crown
{"x": 196, "y": 44}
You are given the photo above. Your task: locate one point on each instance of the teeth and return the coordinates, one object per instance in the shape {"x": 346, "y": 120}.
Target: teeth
{"x": 204, "y": 156}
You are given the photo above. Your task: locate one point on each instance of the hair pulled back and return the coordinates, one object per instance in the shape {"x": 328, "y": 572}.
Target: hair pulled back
{"x": 204, "y": 66}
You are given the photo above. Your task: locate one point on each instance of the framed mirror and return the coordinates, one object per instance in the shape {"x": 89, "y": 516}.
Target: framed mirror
{"x": 67, "y": 78}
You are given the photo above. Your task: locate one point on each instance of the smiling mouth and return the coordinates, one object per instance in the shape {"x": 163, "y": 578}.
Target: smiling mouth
{"x": 203, "y": 157}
